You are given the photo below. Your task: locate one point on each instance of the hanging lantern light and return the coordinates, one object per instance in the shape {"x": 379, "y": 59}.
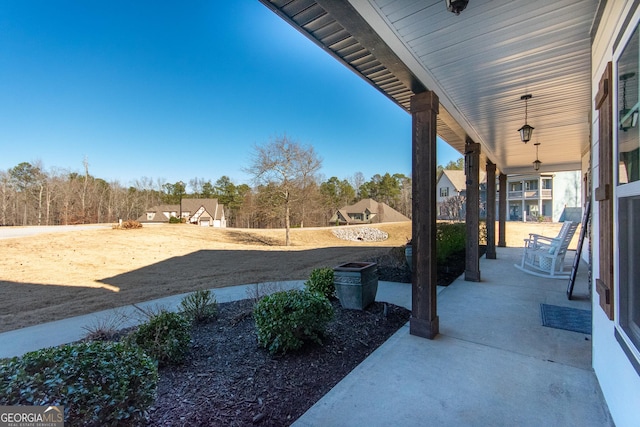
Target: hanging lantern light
{"x": 536, "y": 163}
{"x": 526, "y": 131}
{"x": 456, "y": 6}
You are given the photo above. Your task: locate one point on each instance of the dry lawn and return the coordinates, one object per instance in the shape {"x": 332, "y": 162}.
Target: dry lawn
{"x": 52, "y": 276}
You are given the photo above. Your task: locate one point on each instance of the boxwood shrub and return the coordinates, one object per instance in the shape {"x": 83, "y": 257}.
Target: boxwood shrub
{"x": 450, "y": 239}
{"x": 321, "y": 281}
{"x": 286, "y": 319}
{"x": 165, "y": 337}
{"x": 99, "y": 383}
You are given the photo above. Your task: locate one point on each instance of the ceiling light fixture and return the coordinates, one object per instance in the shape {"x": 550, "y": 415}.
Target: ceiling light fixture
{"x": 456, "y": 6}
{"x": 628, "y": 118}
{"x": 537, "y": 163}
{"x": 525, "y": 131}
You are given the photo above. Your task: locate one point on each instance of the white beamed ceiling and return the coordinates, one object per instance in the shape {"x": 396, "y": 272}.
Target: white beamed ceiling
{"x": 481, "y": 62}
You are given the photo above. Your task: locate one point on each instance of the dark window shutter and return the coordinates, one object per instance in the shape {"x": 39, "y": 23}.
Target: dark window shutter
{"x": 604, "y": 192}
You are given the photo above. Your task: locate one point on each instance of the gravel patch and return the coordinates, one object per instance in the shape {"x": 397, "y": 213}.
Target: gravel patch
{"x": 360, "y": 234}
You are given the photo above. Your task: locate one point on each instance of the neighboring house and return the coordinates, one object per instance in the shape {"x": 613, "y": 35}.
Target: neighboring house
{"x": 451, "y": 191}
{"x": 367, "y": 211}
{"x": 530, "y": 197}
{"x": 543, "y": 195}
{"x": 203, "y": 212}
{"x": 535, "y": 195}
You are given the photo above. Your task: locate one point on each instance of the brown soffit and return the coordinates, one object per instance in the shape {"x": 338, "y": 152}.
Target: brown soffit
{"x": 337, "y": 28}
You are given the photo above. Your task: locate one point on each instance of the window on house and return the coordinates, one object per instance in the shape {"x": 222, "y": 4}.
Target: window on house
{"x": 531, "y": 185}
{"x": 150, "y": 215}
{"x": 444, "y": 192}
{"x": 628, "y": 112}
{"x": 547, "y": 184}
{"x": 629, "y": 223}
{"x": 627, "y": 196}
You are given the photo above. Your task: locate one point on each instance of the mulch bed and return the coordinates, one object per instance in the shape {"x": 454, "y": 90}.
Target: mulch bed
{"x": 227, "y": 380}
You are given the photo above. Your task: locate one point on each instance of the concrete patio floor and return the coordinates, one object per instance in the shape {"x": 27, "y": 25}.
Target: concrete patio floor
{"x": 493, "y": 364}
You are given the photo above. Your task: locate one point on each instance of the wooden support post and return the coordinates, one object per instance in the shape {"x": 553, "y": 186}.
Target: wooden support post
{"x": 491, "y": 210}
{"x": 424, "y": 319}
{"x": 502, "y": 214}
{"x": 472, "y": 172}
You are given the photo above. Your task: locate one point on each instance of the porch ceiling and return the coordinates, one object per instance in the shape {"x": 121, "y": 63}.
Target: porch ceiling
{"x": 479, "y": 63}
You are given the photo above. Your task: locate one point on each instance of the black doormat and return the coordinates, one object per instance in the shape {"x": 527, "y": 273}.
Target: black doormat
{"x": 570, "y": 319}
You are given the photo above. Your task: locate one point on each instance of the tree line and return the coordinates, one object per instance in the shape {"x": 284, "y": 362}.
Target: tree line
{"x": 287, "y": 191}
{"x": 31, "y": 195}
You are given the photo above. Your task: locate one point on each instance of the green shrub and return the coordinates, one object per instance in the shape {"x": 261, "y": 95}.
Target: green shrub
{"x": 165, "y": 337}
{"x": 199, "y": 306}
{"x": 285, "y": 320}
{"x": 99, "y": 383}
{"x": 174, "y": 220}
{"x": 450, "y": 238}
{"x": 321, "y": 281}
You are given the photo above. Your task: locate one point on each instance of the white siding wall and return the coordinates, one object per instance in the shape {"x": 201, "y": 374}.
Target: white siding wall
{"x": 444, "y": 183}
{"x": 567, "y": 192}
{"x": 618, "y": 379}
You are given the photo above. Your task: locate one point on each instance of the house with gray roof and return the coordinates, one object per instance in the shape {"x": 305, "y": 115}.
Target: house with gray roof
{"x": 202, "y": 212}
{"x": 367, "y": 211}
{"x": 451, "y": 191}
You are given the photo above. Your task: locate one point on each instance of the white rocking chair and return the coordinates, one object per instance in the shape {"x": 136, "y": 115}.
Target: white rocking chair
{"x": 544, "y": 256}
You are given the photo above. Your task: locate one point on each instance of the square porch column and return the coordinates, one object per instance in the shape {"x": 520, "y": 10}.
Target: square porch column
{"x": 424, "y": 319}
{"x": 472, "y": 173}
{"x": 502, "y": 214}
{"x": 491, "y": 210}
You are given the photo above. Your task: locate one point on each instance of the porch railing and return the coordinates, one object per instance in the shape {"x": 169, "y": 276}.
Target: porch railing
{"x": 531, "y": 194}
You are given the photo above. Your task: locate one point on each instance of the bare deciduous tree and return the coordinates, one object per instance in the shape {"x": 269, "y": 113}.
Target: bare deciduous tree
{"x": 356, "y": 181}
{"x": 6, "y": 195}
{"x": 286, "y": 164}
{"x": 453, "y": 207}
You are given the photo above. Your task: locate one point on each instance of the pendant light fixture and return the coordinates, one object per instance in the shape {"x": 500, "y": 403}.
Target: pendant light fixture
{"x": 526, "y": 131}
{"x": 537, "y": 163}
{"x": 456, "y": 6}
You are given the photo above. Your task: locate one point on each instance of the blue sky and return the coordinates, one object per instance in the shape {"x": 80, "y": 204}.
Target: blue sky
{"x": 173, "y": 91}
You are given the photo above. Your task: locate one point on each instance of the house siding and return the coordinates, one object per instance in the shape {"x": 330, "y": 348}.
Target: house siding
{"x": 366, "y": 211}
{"x": 458, "y": 188}
{"x": 203, "y": 208}
{"x": 619, "y": 381}
{"x": 566, "y": 192}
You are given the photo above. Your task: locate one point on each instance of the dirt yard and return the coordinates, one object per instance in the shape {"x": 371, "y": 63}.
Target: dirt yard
{"x": 51, "y": 276}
